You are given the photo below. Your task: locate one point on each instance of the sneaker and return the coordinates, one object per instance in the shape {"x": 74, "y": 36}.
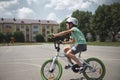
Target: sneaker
{"x": 67, "y": 66}
{"x": 81, "y": 68}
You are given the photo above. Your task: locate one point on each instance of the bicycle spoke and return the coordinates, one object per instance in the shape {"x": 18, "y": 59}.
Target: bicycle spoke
{"x": 50, "y": 75}
{"x": 96, "y": 73}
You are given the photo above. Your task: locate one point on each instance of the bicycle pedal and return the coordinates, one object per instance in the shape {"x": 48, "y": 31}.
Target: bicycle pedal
{"x": 67, "y": 66}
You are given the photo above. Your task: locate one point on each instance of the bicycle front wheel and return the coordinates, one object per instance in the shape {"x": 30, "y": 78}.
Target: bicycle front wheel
{"x": 55, "y": 74}
{"x": 96, "y": 71}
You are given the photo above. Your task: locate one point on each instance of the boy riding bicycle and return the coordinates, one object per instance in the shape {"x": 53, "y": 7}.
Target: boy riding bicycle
{"x": 77, "y": 38}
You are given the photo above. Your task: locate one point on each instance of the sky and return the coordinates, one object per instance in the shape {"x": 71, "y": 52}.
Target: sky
{"x": 56, "y": 10}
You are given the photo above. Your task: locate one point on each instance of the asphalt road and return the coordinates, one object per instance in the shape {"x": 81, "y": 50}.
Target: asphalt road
{"x": 24, "y": 62}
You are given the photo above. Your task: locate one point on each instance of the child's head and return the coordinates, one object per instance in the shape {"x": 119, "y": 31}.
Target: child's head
{"x": 70, "y": 22}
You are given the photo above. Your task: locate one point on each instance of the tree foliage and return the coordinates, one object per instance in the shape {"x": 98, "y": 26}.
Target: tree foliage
{"x": 63, "y": 26}
{"x": 19, "y": 36}
{"x": 39, "y": 38}
{"x": 2, "y": 36}
{"x": 105, "y": 21}
{"x": 83, "y": 19}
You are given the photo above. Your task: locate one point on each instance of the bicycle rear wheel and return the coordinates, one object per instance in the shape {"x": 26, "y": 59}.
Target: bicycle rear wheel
{"x": 97, "y": 72}
{"x": 55, "y": 74}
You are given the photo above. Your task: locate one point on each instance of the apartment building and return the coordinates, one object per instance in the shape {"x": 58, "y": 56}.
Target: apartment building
{"x": 29, "y": 27}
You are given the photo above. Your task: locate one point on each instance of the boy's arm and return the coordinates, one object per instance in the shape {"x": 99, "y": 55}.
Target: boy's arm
{"x": 69, "y": 42}
{"x": 62, "y": 33}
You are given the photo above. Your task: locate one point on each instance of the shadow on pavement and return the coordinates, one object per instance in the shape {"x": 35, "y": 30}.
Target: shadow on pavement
{"x": 82, "y": 78}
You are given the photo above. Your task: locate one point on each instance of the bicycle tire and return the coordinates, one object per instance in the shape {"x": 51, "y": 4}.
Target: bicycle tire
{"x": 49, "y": 62}
{"x": 103, "y": 69}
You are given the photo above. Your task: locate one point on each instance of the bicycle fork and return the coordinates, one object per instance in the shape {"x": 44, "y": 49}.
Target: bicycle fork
{"x": 93, "y": 69}
{"x": 85, "y": 64}
{"x": 52, "y": 66}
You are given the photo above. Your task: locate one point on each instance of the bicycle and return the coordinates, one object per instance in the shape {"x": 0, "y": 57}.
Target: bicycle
{"x": 93, "y": 68}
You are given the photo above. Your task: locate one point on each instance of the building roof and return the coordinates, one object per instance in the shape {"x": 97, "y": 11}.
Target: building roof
{"x": 27, "y": 21}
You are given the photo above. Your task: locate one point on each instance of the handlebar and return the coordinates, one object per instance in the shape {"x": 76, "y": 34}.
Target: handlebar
{"x": 57, "y": 43}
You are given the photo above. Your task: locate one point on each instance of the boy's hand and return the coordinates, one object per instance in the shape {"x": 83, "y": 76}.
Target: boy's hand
{"x": 54, "y": 35}
{"x": 64, "y": 42}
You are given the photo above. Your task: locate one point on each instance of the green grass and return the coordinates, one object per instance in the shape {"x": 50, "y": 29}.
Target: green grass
{"x": 104, "y": 43}
{"x": 89, "y": 43}
{"x": 19, "y": 44}
{"x": 28, "y": 43}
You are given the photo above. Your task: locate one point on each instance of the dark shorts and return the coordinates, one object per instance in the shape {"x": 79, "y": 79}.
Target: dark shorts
{"x": 78, "y": 48}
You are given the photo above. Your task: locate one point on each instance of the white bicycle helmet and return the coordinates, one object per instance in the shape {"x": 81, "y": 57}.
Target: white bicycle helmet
{"x": 73, "y": 20}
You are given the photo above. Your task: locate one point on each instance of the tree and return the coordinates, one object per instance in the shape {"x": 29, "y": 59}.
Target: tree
{"x": 19, "y": 36}
{"x": 83, "y": 19}
{"x": 49, "y": 37}
{"x": 8, "y": 36}
{"x": 2, "y": 36}
{"x": 63, "y": 25}
{"x": 39, "y": 38}
{"x": 100, "y": 24}
{"x": 106, "y": 20}
{"x": 115, "y": 15}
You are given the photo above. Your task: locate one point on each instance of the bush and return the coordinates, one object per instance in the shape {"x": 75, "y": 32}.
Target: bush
{"x": 7, "y": 37}
{"x": 19, "y": 36}
{"x": 103, "y": 37}
{"x": 2, "y": 36}
{"x": 39, "y": 38}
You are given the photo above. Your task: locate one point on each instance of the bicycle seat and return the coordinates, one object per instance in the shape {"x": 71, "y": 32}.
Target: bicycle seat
{"x": 83, "y": 50}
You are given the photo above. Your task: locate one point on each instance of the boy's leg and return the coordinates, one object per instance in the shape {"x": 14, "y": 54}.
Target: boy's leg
{"x": 72, "y": 56}
{"x": 69, "y": 59}
{"x": 66, "y": 49}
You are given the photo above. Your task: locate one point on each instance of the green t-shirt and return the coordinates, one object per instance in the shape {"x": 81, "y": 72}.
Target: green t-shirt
{"x": 78, "y": 36}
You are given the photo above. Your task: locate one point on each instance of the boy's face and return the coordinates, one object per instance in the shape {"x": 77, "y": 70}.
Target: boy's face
{"x": 69, "y": 25}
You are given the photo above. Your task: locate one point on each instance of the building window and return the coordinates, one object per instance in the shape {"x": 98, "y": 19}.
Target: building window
{"x": 43, "y": 29}
{"x": 35, "y": 32}
{"x": 8, "y": 26}
{"x": 48, "y": 27}
{"x": 27, "y": 37}
{"x": 27, "y": 32}
{"x": 48, "y": 32}
{"x": 35, "y": 27}
{"x": 17, "y": 28}
{"x": 27, "y": 28}
{"x": 22, "y": 27}
{"x": 52, "y": 30}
